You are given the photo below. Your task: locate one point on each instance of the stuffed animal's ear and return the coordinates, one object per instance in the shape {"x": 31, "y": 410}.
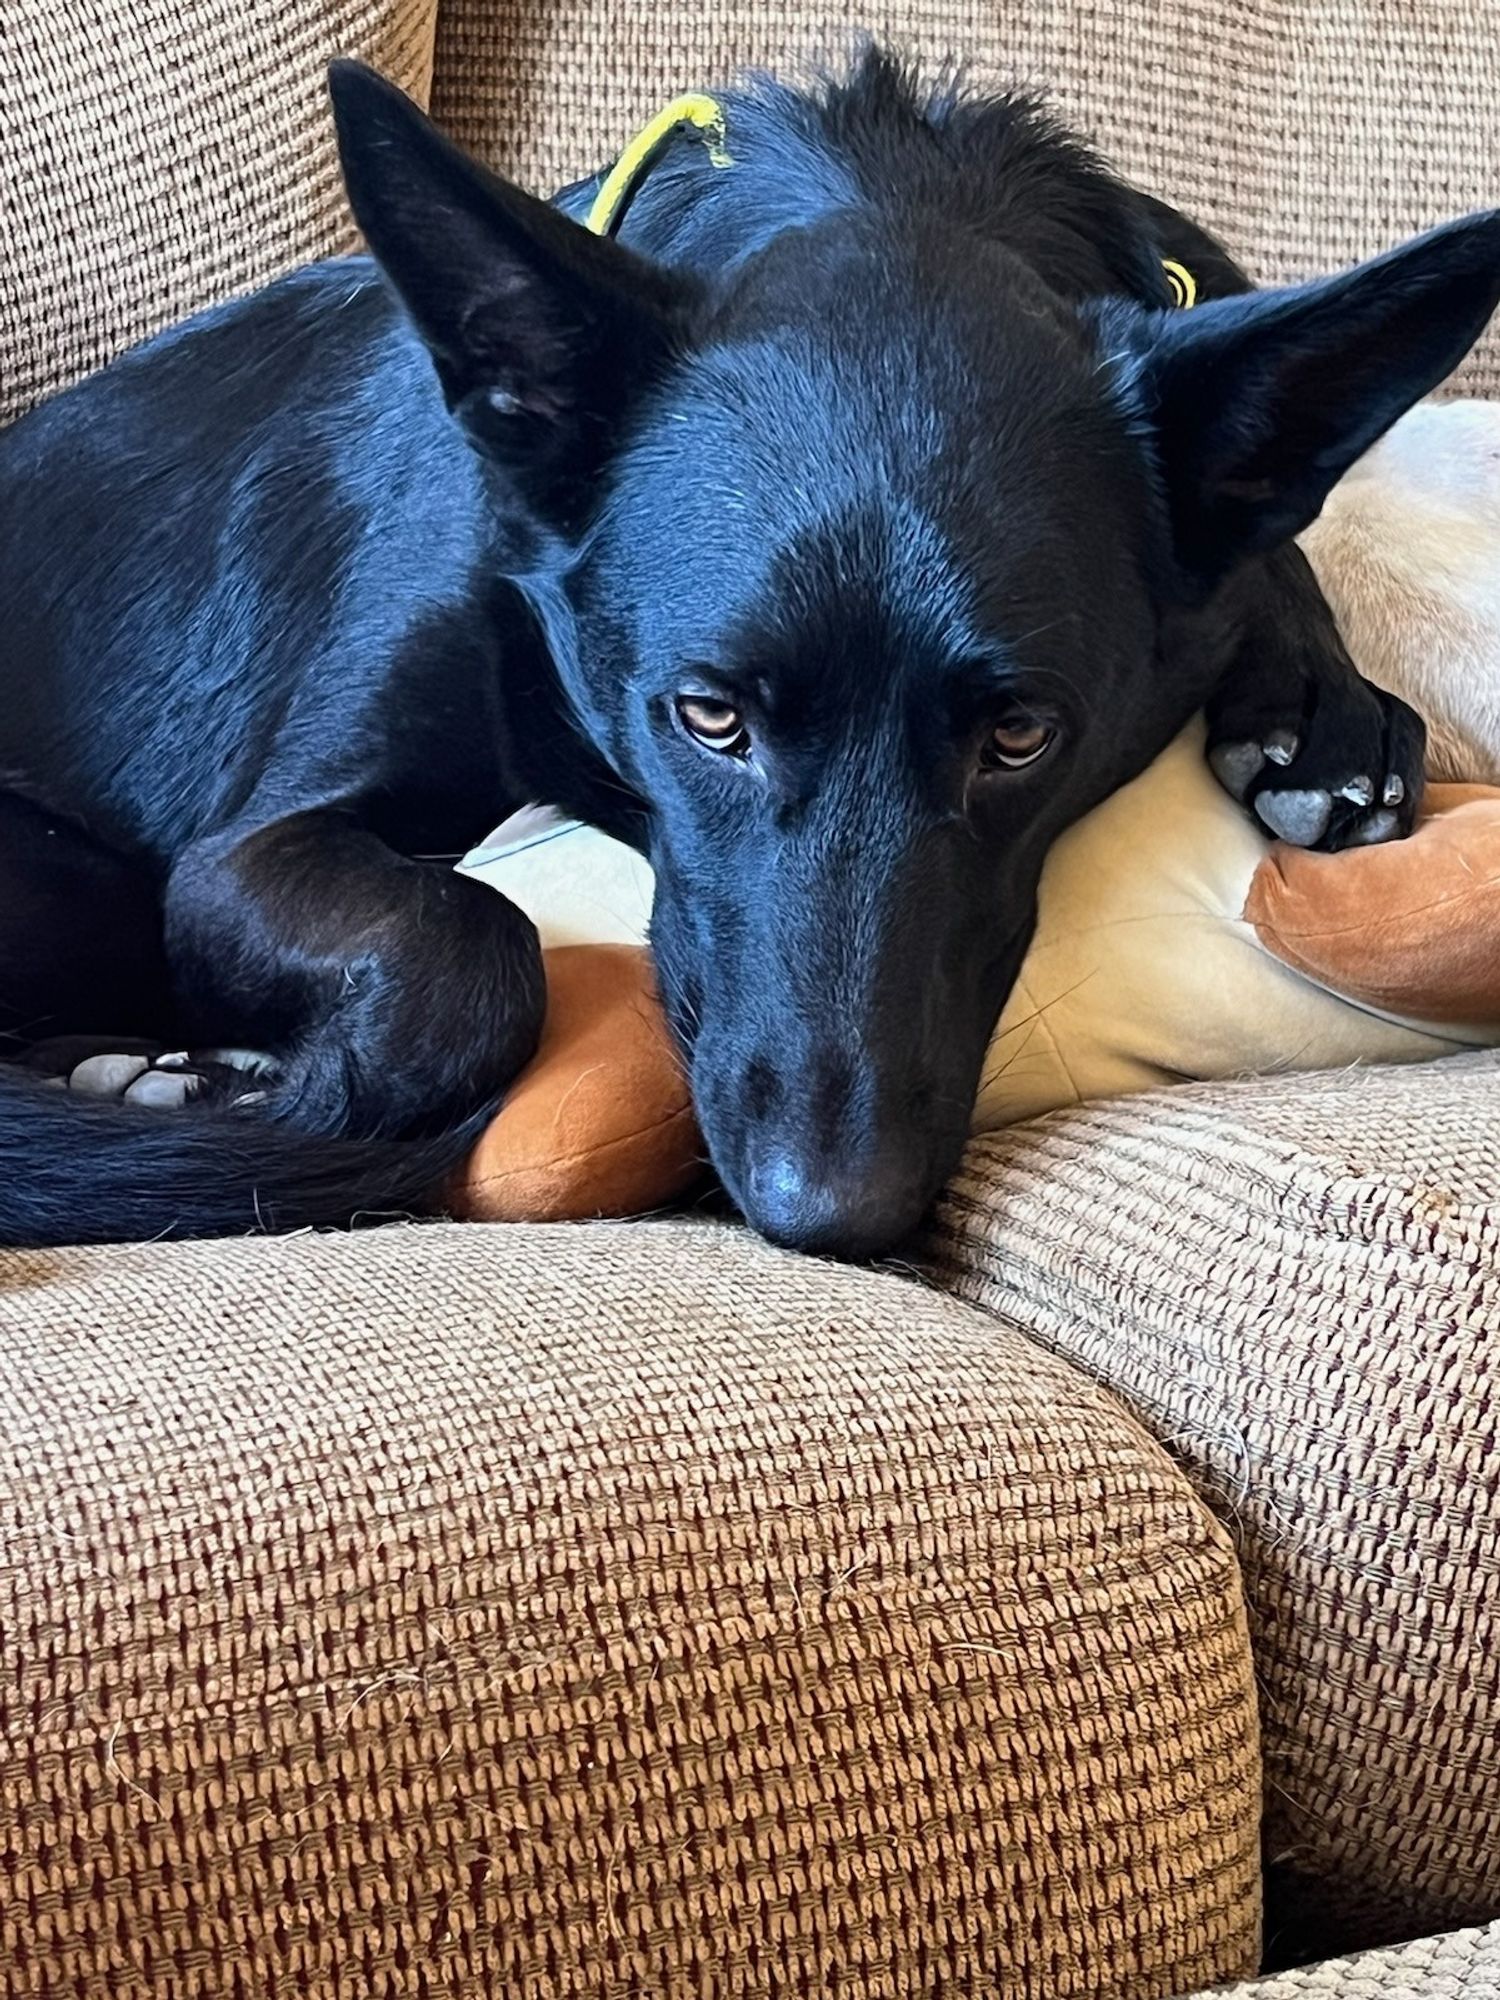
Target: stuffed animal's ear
{"x": 541, "y": 332}
{"x": 1260, "y": 403}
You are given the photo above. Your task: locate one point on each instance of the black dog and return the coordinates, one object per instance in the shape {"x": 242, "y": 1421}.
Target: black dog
{"x": 837, "y": 536}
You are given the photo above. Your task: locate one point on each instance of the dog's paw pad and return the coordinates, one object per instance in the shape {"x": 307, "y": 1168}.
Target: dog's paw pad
{"x": 1380, "y": 826}
{"x": 1235, "y": 765}
{"x": 106, "y": 1075}
{"x": 1298, "y": 817}
{"x": 164, "y": 1089}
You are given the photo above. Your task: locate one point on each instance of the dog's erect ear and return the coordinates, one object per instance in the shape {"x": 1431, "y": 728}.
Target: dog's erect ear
{"x": 541, "y": 332}
{"x": 1260, "y": 403}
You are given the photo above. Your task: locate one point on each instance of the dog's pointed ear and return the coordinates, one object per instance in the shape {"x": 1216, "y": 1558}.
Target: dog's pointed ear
{"x": 1261, "y": 403}
{"x": 542, "y": 333}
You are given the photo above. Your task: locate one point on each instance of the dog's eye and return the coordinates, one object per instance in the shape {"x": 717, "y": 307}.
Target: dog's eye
{"x": 714, "y": 724}
{"x": 1016, "y": 742}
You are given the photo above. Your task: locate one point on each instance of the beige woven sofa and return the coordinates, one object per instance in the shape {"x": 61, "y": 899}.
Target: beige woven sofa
{"x": 636, "y": 1611}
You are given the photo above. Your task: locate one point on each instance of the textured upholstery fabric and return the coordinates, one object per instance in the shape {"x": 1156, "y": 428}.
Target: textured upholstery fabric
{"x": 595, "y": 1612}
{"x": 1463, "y": 1965}
{"x": 1307, "y": 135}
{"x": 157, "y": 155}
{"x": 1296, "y": 1284}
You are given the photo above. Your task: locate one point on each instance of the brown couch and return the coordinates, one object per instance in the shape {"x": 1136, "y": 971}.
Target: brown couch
{"x": 634, "y": 1610}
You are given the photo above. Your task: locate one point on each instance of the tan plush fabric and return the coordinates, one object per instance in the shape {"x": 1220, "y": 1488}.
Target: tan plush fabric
{"x": 595, "y": 1613}
{"x": 1308, "y": 135}
{"x": 158, "y": 155}
{"x": 1296, "y": 1284}
{"x": 1462, "y": 1965}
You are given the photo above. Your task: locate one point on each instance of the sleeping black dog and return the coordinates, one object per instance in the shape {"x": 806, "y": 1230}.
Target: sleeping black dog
{"x": 838, "y": 530}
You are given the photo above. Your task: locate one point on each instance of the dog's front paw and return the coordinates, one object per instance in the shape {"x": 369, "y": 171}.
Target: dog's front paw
{"x": 143, "y": 1074}
{"x": 1338, "y": 764}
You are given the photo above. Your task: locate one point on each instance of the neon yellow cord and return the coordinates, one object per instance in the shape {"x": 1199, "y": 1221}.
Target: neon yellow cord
{"x": 1184, "y": 285}
{"x": 705, "y": 113}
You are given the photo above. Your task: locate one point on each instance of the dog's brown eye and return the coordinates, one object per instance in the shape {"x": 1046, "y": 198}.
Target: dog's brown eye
{"x": 1016, "y": 742}
{"x": 714, "y": 724}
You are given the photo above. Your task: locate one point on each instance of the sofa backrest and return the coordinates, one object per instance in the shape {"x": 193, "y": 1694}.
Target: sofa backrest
{"x": 1307, "y": 133}
{"x": 161, "y": 154}
{"x": 157, "y": 155}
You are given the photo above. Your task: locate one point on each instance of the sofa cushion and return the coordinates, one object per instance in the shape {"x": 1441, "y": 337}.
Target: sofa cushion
{"x": 1460, "y": 1965}
{"x": 594, "y": 1612}
{"x": 1307, "y": 136}
{"x": 161, "y": 154}
{"x": 1296, "y": 1283}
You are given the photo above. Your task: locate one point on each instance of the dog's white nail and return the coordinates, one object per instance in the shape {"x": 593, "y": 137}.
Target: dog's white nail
{"x": 178, "y": 1059}
{"x": 107, "y": 1076}
{"x": 1378, "y": 827}
{"x": 1359, "y": 792}
{"x": 1235, "y": 765}
{"x": 254, "y": 1062}
{"x": 1281, "y": 747}
{"x": 1395, "y": 790}
{"x": 1299, "y": 817}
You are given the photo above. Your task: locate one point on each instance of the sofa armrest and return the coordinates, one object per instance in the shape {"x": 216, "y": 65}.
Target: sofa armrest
{"x": 1455, "y": 1963}
{"x": 592, "y": 1612}
{"x": 1295, "y": 1282}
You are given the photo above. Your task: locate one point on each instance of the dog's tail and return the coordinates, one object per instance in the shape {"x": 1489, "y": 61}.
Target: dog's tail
{"x": 78, "y": 1170}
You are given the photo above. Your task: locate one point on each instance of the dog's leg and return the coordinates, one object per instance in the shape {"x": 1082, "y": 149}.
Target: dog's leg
{"x": 80, "y": 934}
{"x": 393, "y": 996}
{"x": 1322, "y": 756}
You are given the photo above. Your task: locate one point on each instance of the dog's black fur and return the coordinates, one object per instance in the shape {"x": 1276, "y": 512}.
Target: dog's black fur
{"x": 881, "y": 438}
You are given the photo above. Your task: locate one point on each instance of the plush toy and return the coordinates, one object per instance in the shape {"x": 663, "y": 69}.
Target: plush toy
{"x": 1173, "y": 941}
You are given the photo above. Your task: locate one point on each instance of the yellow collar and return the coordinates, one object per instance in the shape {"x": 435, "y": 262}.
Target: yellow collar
{"x": 706, "y": 115}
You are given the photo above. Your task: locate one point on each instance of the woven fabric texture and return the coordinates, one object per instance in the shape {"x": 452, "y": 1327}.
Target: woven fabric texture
{"x": 1463, "y": 1965}
{"x": 595, "y": 1613}
{"x": 1296, "y": 1284}
{"x": 1306, "y": 135}
{"x": 158, "y": 155}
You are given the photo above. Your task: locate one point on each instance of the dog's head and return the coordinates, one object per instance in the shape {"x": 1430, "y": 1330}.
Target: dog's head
{"x": 868, "y": 566}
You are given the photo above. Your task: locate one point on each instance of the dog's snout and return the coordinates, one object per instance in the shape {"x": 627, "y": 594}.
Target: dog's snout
{"x": 833, "y": 1212}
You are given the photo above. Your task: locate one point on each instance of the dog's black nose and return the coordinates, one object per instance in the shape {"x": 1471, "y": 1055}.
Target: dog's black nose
{"x": 853, "y": 1215}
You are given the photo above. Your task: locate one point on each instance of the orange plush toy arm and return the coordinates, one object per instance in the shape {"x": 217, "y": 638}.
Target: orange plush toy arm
{"x": 600, "y": 1122}
{"x": 1410, "y": 929}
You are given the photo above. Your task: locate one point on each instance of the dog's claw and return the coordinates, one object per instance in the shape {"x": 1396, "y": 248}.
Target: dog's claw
{"x": 1358, "y": 791}
{"x": 1281, "y": 747}
{"x": 1299, "y": 817}
{"x": 1235, "y": 766}
{"x": 253, "y": 1062}
{"x": 1395, "y": 790}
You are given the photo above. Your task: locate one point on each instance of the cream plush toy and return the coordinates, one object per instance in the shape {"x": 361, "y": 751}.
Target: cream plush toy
{"x": 1174, "y": 939}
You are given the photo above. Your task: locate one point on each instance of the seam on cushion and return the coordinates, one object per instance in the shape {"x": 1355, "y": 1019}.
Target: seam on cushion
{"x": 1040, "y": 1024}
